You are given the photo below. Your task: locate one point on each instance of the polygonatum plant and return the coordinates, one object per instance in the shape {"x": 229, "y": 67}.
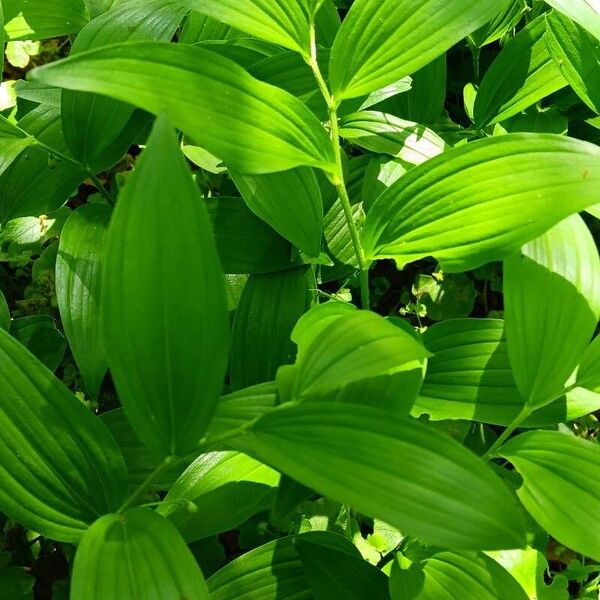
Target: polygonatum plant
{"x": 300, "y": 300}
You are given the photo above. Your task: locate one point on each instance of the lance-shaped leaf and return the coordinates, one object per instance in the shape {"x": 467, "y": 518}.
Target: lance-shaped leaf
{"x": 588, "y": 374}
{"x": 267, "y": 311}
{"x": 560, "y": 486}
{"x": 12, "y": 141}
{"x": 523, "y": 73}
{"x": 252, "y": 126}
{"x": 78, "y": 289}
{"x": 4, "y": 313}
{"x": 92, "y": 123}
{"x": 164, "y": 308}
{"x": 141, "y": 553}
{"x": 386, "y": 134}
{"x": 552, "y": 304}
{"x": 469, "y": 377}
{"x": 290, "y": 202}
{"x": 41, "y": 19}
{"x": 483, "y": 201}
{"x": 427, "y": 485}
{"x": 218, "y": 492}
{"x": 577, "y": 54}
{"x": 451, "y": 575}
{"x": 35, "y": 183}
{"x": 275, "y": 570}
{"x": 283, "y": 22}
{"x": 381, "y": 41}
{"x": 61, "y": 469}
{"x": 97, "y": 7}
{"x": 584, "y": 12}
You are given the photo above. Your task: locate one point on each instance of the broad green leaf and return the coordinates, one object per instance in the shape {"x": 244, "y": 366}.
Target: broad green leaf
{"x": 282, "y": 22}
{"x": 78, "y": 266}
{"x": 266, "y": 313}
{"x": 588, "y": 374}
{"x": 296, "y": 216}
{"x": 577, "y": 55}
{"x": 502, "y": 25}
{"x": 521, "y": 75}
{"x": 428, "y": 485}
{"x": 552, "y": 304}
{"x": 386, "y": 134}
{"x": 424, "y": 102}
{"x": 246, "y": 244}
{"x": 469, "y": 377}
{"x": 200, "y": 28}
{"x": 41, "y": 19}
{"x": 141, "y": 554}
{"x": 480, "y": 202}
{"x": 252, "y": 126}
{"x": 61, "y": 469}
{"x": 35, "y": 183}
{"x": 334, "y": 574}
{"x": 4, "y": 313}
{"x": 454, "y": 575}
{"x": 584, "y": 12}
{"x": 12, "y": 142}
{"x": 560, "y": 486}
{"x": 93, "y": 124}
{"x": 164, "y": 309}
{"x": 217, "y": 493}
{"x": 39, "y": 335}
{"x": 354, "y": 346}
{"x": 381, "y": 41}
{"x": 38, "y": 93}
{"x": 97, "y": 7}
{"x": 275, "y": 570}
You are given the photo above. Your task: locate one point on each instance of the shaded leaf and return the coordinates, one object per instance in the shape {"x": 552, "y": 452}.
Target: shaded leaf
{"x": 39, "y": 335}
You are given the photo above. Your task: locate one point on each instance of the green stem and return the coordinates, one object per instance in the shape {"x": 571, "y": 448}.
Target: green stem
{"x": 337, "y": 177}
{"x": 522, "y": 416}
{"x": 147, "y": 484}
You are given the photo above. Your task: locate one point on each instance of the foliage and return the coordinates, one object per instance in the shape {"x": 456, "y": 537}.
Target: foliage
{"x": 300, "y": 299}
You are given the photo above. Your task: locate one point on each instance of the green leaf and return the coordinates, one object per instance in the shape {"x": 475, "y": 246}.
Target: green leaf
{"x": 12, "y": 143}
{"x": 42, "y": 19}
{"x": 274, "y": 132}
{"x": 480, "y": 202}
{"x": 78, "y": 266}
{"x": 274, "y": 571}
{"x": 61, "y": 469}
{"x": 381, "y": 41}
{"x": 97, "y": 7}
{"x": 334, "y": 574}
{"x": 219, "y": 491}
{"x": 267, "y": 311}
{"x": 354, "y": 346}
{"x": 552, "y": 304}
{"x": 35, "y": 183}
{"x": 577, "y": 55}
{"x": 141, "y": 553}
{"x": 522, "y": 74}
{"x": 583, "y": 12}
{"x": 4, "y": 313}
{"x": 39, "y": 335}
{"x": 297, "y": 217}
{"x": 560, "y": 481}
{"x": 246, "y": 244}
{"x": 164, "y": 307}
{"x": 93, "y": 124}
{"x": 428, "y": 485}
{"x": 469, "y": 377}
{"x": 588, "y": 374}
{"x": 282, "y": 22}
{"x": 386, "y": 134}
{"x": 453, "y": 575}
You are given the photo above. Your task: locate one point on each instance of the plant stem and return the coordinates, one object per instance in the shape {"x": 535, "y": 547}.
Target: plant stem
{"x": 525, "y": 412}
{"x": 147, "y": 484}
{"x": 338, "y": 176}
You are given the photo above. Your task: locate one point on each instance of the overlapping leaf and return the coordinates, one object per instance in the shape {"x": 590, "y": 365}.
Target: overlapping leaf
{"x": 584, "y": 12}
{"x": 481, "y": 202}
{"x": 164, "y": 309}
{"x": 252, "y": 126}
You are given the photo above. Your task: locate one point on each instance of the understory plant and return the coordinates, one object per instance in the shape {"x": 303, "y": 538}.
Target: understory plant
{"x": 300, "y": 300}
